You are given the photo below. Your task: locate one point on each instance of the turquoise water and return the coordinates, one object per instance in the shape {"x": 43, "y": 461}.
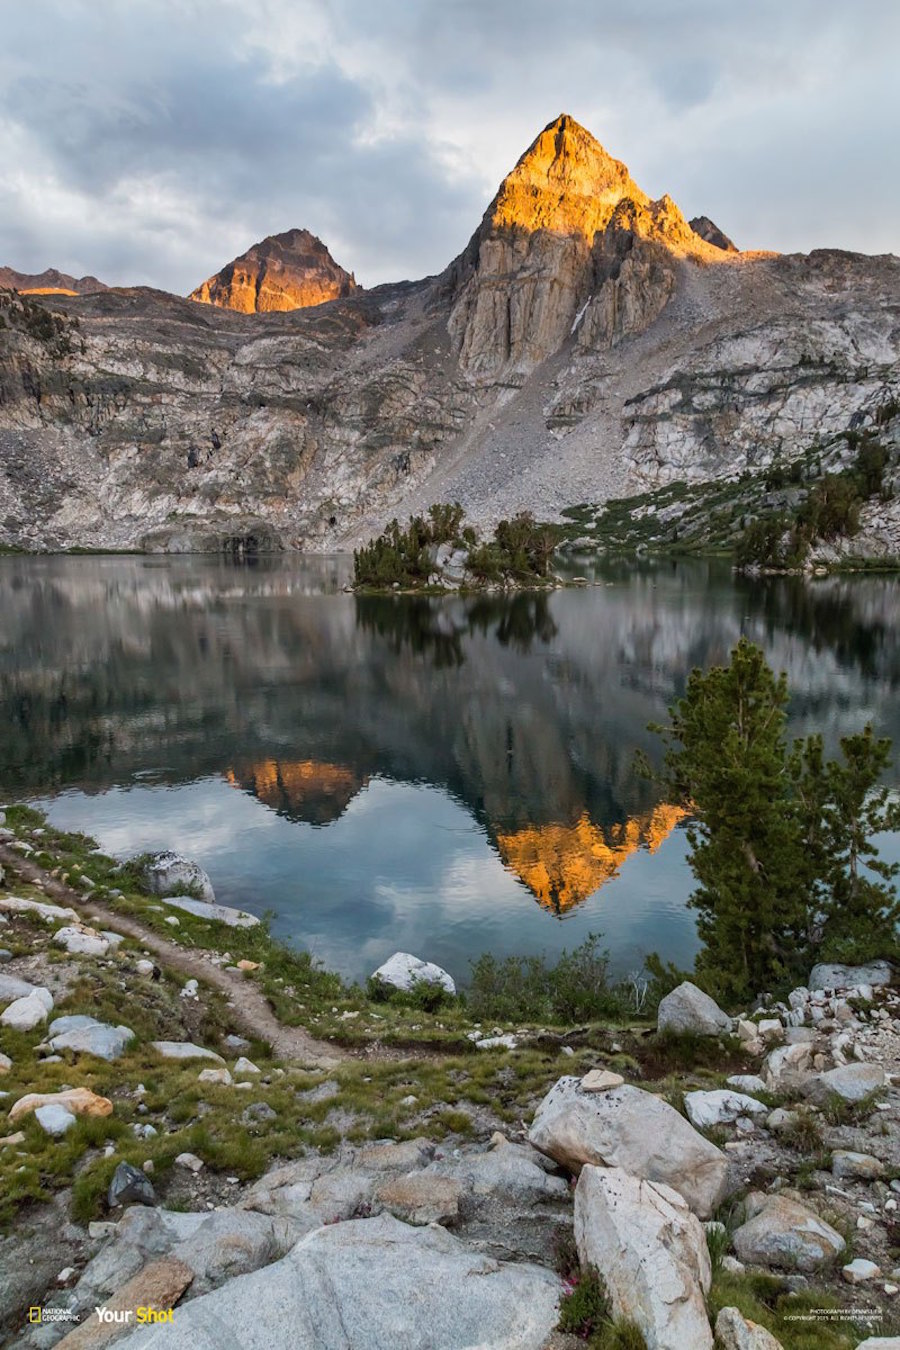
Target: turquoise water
{"x": 435, "y": 775}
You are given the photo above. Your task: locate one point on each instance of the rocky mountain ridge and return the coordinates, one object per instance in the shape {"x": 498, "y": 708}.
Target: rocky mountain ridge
{"x": 286, "y": 271}
{"x": 587, "y": 343}
{"x": 50, "y": 281}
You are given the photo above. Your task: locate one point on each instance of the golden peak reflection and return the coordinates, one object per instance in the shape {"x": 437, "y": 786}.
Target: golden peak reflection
{"x": 304, "y": 789}
{"x": 563, "y": 864}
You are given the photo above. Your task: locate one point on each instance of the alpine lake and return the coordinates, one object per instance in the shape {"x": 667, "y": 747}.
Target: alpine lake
{"x": 439, "y": 775}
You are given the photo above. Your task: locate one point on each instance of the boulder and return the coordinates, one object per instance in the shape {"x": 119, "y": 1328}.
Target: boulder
{"x": 79, "y": 940}
{"x": 421, "y": 1197}
{"x": 204, "y": 909}
{"x": 632, "y": 1129}
{"x": 170, "y": 874}
{"x": 746, "y": 1082}
{"x": 847, "y": 1165}
{"x": 736, "y": 1332}
{"x": 377, "y": 1283}
{"x": 860, "y": 1271}
{"x": 24, "y": 1014}
{"x": 651, "y": 1253}
{"x": 876, "y": 973}
{"x": 853, "y": 1082}
{"x": 687, "y": 1008}
{"x": 130, "y": 1186}
{"x": 5, "y": 1063}
{"x": 80, "y": 1101}
{"x": 720, "y": 1107}
{"x": 784, "y": 1233}
{"x": 54, "y": 1119}
{"x": 787, "y": 1066}
{"x": 11, "y": 988}
{"x": 185, "y": 1050}
{"x": 12, "y": 904}
{"x": 244, "y": 1067}
{"x": 92, "y": 1038}
{"x": 403, "y": 971}
{"x": 233, "y": 1242}
{"x": 221, "y": 1076}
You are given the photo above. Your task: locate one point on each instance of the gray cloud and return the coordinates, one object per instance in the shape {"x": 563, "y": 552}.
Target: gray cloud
{"x": 152, "y": 140}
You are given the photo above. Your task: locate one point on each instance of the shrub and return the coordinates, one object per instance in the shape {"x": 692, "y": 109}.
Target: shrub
{"x": 525, "y": 988}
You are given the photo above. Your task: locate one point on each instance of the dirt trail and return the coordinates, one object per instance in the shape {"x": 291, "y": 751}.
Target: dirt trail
{"x": 251, "y": 1010}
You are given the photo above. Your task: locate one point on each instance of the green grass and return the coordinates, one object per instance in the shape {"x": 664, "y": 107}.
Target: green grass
{"x": 766, "y": 1299}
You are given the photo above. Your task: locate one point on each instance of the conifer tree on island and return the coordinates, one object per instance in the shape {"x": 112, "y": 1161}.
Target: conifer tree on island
{"x": 781, "y": 840}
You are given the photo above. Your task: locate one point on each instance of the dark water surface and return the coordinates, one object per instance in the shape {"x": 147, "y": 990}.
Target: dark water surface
{"x": 441, "y": 776}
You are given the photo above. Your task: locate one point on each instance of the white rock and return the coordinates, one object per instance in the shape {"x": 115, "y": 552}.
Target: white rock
{"x": 215, "y": 1076}
{"x": 825, "y": 976}
{"x": 746, "y": 1082}
{"x": 172, "y": 921}
{"x": 190, "y": 989}
{"x": 736, "y": 1332}
{"x": 94, "y": 1038}
{"x": 11, "y": 988}
{"x": 860, "y": 1270}
{"x": 185, "y": 1050}
{"x": 376, "y": 1284}
{"x": 145, "y": 967}
{"x": 81, "y": 941}
{"x": 770, "y": 1029}
{"x": 403, "y": 971}
{"x": 853, "y": 1082}
{"x": 632, "y": 1129}
{"x": 798, "y": 998}
{"x": 720, "y": 1107}
{"x": 26, "y": 1013}
{"x": 5, "y": 1063}
{"x": 169, "y": 873}
{"x": 54, "y": 1119}
{"x": 651, "y": 1252}
{"x": 601, "y": 1080}
{"x": 190, "y": 1161}
{"x": 243, "y": 1067}
{"x": 507, "y": 1042}
{"x": 11, "y": 904}
{"x": 782, "y": 1232}
{"x": 786, "y": 1065}
{"x": 688, "y": 1009}
{"x": 233, "y": 918}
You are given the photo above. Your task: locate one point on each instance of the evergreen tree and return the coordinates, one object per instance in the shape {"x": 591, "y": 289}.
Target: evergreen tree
{"x": 782, "y": 843}
{"x": 726, "y": 759}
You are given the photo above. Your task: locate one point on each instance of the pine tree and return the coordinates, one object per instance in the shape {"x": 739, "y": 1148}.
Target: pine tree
{"x": 782, "y": 843}
{"x": 726, "y": 759}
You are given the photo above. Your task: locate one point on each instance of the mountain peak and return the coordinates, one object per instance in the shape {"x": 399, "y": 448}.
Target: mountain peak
{"x": 565, "y": 181}
{"x": 291, "y": 270}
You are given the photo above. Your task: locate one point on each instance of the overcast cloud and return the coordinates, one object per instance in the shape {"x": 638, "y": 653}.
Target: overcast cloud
{"x": 151, "y": 141}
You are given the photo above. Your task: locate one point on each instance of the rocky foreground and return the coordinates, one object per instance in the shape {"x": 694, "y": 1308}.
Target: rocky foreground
{"x": 734, "y": 1181}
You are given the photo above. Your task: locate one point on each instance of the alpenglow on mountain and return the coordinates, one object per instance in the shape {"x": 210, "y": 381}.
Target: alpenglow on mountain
{"x": 587, "y": 342}
{"x": 284, "y": 271}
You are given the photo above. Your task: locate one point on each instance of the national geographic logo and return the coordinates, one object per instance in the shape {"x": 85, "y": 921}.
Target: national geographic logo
{"x": 42, "y": 1316}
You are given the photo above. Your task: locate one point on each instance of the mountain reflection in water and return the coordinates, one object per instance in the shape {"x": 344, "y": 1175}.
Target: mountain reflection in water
{"x": 405, "y": 772}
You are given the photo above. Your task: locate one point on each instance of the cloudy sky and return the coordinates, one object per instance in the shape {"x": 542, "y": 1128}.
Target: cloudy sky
{"x": 150, "y": 141}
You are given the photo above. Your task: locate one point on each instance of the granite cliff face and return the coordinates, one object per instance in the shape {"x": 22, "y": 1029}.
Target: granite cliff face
{"x": 285, "y": 271}
{"x": 588, "y": 342}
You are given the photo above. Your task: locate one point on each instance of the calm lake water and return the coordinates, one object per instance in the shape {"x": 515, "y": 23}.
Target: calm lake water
{"x": 442, "y": 776}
